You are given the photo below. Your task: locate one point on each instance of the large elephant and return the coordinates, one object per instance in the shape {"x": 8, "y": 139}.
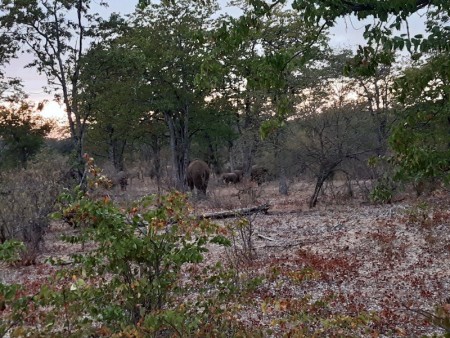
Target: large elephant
{"x": 198, "y": 175}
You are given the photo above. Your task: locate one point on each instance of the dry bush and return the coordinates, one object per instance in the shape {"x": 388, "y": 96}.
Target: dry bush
{"x": 249, "y": 193}
{"x": 27, "y": 196}
{"x": 222, "y": 196}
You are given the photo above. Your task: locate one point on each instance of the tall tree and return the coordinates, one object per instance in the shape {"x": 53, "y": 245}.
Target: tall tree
{"x": 111, "y": 80}
{"x": 422, "y": 140}
{"x": 54, "y": 33}
{"x": 255, "y": 65}
{"x": 172, "y": 39}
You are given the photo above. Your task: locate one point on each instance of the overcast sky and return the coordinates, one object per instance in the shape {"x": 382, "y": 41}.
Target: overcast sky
{"x": 347, "y": 34}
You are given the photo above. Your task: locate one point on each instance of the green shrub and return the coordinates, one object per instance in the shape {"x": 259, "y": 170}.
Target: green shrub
{"x": 383, "y": 191}
{"x": 9, "y": 252}
{"x": 130, "y": 281}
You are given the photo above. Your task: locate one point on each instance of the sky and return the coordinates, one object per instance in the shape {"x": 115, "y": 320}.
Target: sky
{"x": 348, "y": 33}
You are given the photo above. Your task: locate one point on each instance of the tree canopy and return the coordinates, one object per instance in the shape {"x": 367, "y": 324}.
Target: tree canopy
{"x": 22, "y": 133}
{"x": 207, "y": 74}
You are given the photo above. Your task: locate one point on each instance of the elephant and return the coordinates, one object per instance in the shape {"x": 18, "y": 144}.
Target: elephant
{"x": 239, "y": 174}
{"x": 230, "y": 178}
{"x": 259, "y": 174}
{"x": 135, "y": 173}
{"x": 198, "y": 175}
{"x": 121, "y": 179}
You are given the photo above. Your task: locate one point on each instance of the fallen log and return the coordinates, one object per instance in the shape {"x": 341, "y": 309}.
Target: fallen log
{"x": 142, "y": 228}
{"x": 236, "y": 212}
{"x": 264, "y": 237}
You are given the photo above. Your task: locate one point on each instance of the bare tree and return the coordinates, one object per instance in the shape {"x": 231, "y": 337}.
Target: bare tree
{"x": 332, "y": 138}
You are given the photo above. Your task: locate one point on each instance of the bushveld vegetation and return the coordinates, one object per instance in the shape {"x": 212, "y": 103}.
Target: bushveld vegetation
{"x": 147, "y": 93}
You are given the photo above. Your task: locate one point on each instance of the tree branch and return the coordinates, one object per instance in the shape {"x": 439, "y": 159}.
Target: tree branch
{"x": 368, "y": 7}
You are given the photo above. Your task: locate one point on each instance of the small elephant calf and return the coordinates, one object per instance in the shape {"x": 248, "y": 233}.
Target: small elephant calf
{"x": 230, "y": 178}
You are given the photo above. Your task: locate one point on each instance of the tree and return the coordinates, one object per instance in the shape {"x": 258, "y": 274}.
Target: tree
{"x": 111, "y": 80}
{"x": 331, "y": 139}
{"x": 420, "y": 139}
{"x": 54, "y": 32}
{"x": 172, "y": 40}
{"x": 333, "y": 131}
{"x": 422, "y": 142}
{"x": 22, "y": 132}
{"x": 256, "y": 65}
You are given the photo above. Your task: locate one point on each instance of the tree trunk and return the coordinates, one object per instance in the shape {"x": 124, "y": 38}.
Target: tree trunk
{"x": 156, "y": 148}
{"x": 249, "y": 147}
{"x": 323, "y": 176}
{"x": 314, "y": 197}
{"x": 179, "y": 144}
{"x": 283, "y": 187}
{"x": 116, "y": 149}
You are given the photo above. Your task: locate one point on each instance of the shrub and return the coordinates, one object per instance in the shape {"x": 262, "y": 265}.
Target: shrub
{"x": 131, "y": 278}
{"x": 27, "y": 196}
{"x": 383, "y": 191}
{"x": 9, "y": 252}
{"x": 142, "y": 247}
{"x": 130, "y": 282}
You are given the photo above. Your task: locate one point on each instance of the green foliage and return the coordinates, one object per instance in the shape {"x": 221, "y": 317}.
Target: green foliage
{"x": 132, "y": 274}
{"x": 22, "y": 132}
{"x": 10, "y": 250}
{"x": 383, "y": 191}
{"x": 167, "y": 44}
{"x": 110, "y": 79}
{"x": 381, "y": 31}
{"x": 420, "y": 139}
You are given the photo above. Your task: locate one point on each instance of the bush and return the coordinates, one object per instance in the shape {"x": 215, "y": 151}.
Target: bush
{"x": 130, "y": 282}
{"x": 27, "y": 197}
{"x": 383, "y": 191}
{"x": 9, "y": 252}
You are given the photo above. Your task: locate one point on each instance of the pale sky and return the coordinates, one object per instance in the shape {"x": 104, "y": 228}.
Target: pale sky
{"x": 346, "y": 34}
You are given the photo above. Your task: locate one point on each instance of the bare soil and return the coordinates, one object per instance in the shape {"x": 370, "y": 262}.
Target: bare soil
{"x": 387, "y": 261}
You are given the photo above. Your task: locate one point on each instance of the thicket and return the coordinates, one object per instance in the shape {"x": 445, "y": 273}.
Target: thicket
{"x": 133, "y": 280}
{"x": 28, "y": 196}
